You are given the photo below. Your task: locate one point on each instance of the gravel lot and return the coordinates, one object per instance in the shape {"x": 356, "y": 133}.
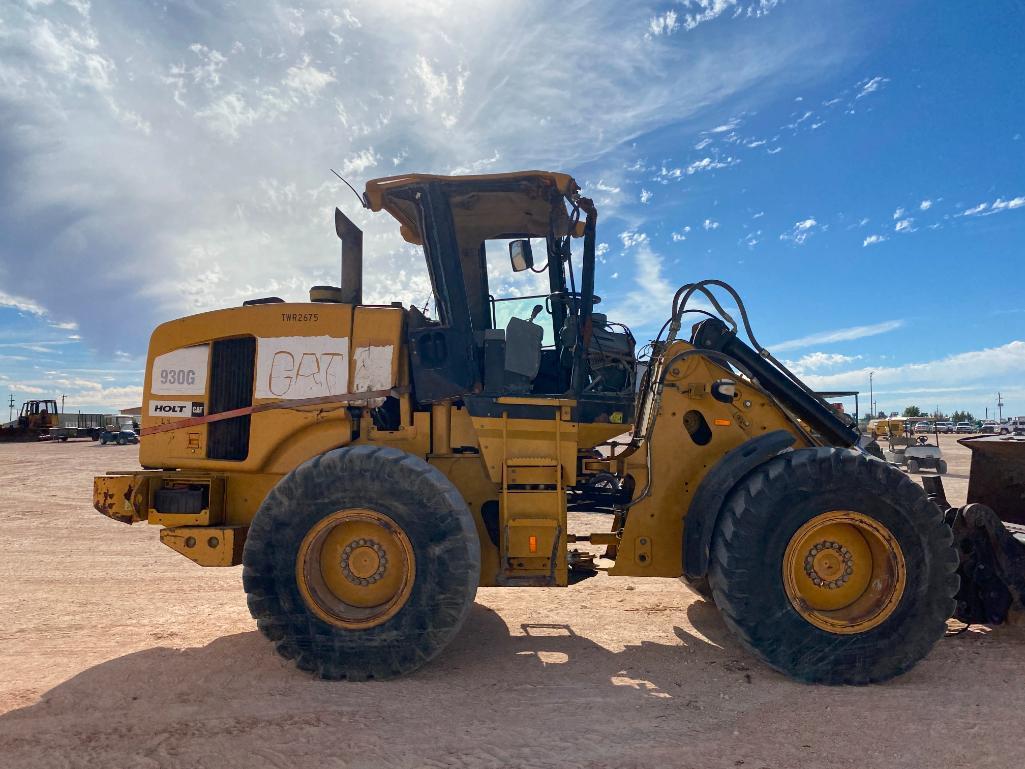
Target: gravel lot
{"x": 117, "y": 652}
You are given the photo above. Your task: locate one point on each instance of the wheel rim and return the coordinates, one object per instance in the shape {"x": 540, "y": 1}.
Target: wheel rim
{"x": 844, "y": 572}
{"x": 355, "y": 569}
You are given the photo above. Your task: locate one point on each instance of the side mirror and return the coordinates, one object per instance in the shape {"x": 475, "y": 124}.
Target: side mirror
{"x": 520, "y": 255}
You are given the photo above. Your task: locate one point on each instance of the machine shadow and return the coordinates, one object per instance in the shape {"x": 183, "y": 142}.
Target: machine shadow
{"x": 235, "y": 671}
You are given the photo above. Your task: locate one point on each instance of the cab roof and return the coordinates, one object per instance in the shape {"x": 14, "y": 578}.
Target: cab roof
{"x": 517, "y": 203}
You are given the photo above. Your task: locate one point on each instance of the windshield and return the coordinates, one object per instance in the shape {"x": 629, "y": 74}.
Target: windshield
{"x": 516, "y": 294}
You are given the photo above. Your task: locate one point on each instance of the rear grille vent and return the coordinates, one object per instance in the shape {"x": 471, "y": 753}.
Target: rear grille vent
{"x": 231, "y": 387}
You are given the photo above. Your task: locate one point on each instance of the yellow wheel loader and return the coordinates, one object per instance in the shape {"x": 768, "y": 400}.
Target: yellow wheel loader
{"x": 370, "y": 466}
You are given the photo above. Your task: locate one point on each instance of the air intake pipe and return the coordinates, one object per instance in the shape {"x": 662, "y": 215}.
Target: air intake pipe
{"x": 352, "y": 258}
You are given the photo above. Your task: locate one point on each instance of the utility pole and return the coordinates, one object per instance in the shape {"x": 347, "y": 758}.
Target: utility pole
{"x": 1000, "y": 408}
{"x": 10, "y": 413}
{"x": 62, "y": 403}
{"x": 871, "y": 400}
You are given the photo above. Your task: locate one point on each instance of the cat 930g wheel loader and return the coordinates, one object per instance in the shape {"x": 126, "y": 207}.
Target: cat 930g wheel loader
{"x": 370, "y": 466}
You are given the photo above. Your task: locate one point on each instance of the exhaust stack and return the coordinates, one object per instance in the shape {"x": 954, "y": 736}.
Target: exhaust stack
{"x": 352, "y": 258}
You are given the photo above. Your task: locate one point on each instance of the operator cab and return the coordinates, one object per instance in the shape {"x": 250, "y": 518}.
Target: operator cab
{"x": 515, "y": 314}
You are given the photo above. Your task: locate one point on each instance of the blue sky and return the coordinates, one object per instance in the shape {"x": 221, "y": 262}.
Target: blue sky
{"x": 856, "y": 170}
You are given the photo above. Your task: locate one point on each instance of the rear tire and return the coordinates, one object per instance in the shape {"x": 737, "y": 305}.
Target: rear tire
{"x": 438, "y": 551}
{"x": 767, "y": 512}
{"x": 941, "y": 467}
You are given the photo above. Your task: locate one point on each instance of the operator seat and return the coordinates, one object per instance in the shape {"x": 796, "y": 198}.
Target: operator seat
{"x": 523, "y": 339}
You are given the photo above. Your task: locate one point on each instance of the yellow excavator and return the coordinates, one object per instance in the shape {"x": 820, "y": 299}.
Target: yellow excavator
{"x": 370, "y": 466}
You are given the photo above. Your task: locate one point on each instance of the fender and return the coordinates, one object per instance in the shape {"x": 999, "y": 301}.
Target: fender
{"x": 704, "y": 509}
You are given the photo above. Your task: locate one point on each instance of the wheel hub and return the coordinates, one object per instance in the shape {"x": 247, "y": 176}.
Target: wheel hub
{"x": 363, "y": 562}
{"x": 355, "y": 568}
{"x": 829, "y": 564}
{"x": 844, "y": 572}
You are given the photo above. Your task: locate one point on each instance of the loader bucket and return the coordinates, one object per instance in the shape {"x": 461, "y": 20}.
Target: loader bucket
{"x": 997, "y": 477}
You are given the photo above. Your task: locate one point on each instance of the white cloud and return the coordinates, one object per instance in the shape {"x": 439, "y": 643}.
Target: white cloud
{"x": 974, "y": 210}
{"x": 631, "y": 238}
{"x": 904, "y": 225}
{"x": 816, "y": 361}
{"x": 666, "y": 24}
{"x": 729, "y": 125}
{"x": 925, "y": 205}
{"x": 306, "y": 82}
{"x": 1006, "y": 205}
{"x": 799, "y": 120}
{"x": 998, "y": 205}
{"x": 898, "y": 213}
{"x": 871, "y": 240}
{"x": 703, "y": 143}
{"x": 710, "y": 224}
{"x": 228, "y": 115}
{"x": 356, "y": 164}
{"x": 839, "y": 335}
{"x": 21, "y": 303}
{"x": 648, "y": 302}
{"x": 956, "y": 371}
{"x": 646, "y": 196}
{"x": 709, "y": 164}
{"x": 870, "y": 86}
{"x": 800, "y": 232}
{"x": 706, "y": 10}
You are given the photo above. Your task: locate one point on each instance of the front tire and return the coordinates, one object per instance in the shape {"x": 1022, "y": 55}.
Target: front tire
{"x": 361, "y": 563}
{"x": 833, "y": 567}
{"x": 913, "y": 466}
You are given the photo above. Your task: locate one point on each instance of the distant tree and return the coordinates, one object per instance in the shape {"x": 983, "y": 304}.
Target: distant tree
{"x": 912, "y": 411}
{"x": 962, "y": 416}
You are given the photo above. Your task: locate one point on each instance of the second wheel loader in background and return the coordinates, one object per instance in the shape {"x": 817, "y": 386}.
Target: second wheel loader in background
{"x": 370, "y": 466}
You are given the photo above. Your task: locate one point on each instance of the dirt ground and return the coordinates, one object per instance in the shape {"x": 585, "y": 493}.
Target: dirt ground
{"x": 117, "y": 652}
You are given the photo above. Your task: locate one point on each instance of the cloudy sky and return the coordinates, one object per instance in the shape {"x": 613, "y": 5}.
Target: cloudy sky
{"x": 856, "y": 170}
